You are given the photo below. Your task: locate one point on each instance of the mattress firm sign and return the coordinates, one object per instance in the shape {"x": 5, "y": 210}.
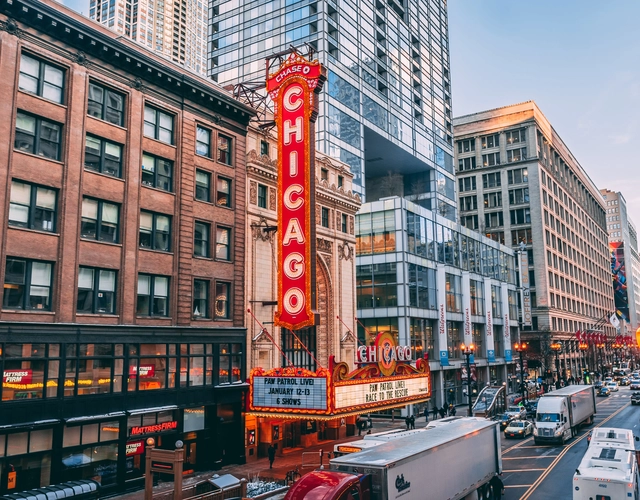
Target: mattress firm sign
{"x": 382, "y": 392}
{"x": 300, "y": 393}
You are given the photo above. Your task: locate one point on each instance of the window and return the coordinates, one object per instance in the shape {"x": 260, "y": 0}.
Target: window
{"x": 491, "y": 141}
{"x": 155, "y": 231}
{"x": 222, "y": 308}
{"x": 153, "y": 295}
{"x": 203, "y": 185}
{"x": 377, "y": 285}
{"x": 203, "y": 141}
{"x": 224, "y": 149}
{"x": 466, "y": 184}
{"x": 494, "y": 219}
{"x": 27, "y": 284}
{"x": 477, "y": 297}
{"x": 496, "y": 301}
{"x": 466, "y": 164}
{"x": 201, "y": 239}
{"x": 41, "y": 78}
{"x": 223, "y": 193}
{"x": 105, "y": 104}
{"x": 156, "y": 172}
{"x": 32, "y": 207}
{"x": 158, "y": 125}
{"x": 470, "y": 221}
{"x": 521, "y": 236}
{"x": 262, "y": 196}
{"x": 96, "y": 291}
{"x": 520, "y": 216}
{"x": 468, "y": 203}
{"x": 516, "y": 154}
{"x": 100, "y": 220}
{"x": 102, "y": 156}
{"x": 343, "y": 223}
{"x": 340, "y": 181}
{"x": 324, "y": 215}
{"x": 324, "y": 174}
{"x": 230, "y": 360}
{"x": 264, "y": 148}
{"x": 223, "y": 243}
{"x": 515, "y": 136}
{"x": 466, "y": 145}
{"x": 493, "y": 200}
{"x": 201, "y": 299}
{"x": 491, "y": 159}
{"x": 518, "y": 176}
{"x": 491, "y": 180}
{"x": 519, "y": 196}
{"x": 422, "y": 287}
{"x": 453, "y": 289}
{"x": 37, "y": 136}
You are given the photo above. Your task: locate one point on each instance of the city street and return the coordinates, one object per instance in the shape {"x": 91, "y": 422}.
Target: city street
{"x": 533, "y": 472}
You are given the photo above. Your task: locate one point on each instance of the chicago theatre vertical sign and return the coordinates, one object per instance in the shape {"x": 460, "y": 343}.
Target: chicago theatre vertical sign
{"x": 294, "y": 89}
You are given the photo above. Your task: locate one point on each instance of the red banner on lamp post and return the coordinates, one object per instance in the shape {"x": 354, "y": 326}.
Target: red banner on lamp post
{"x": 294, "y": 89}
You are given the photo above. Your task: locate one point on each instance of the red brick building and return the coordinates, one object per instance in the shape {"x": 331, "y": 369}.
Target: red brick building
{"x": 122, "y": 256}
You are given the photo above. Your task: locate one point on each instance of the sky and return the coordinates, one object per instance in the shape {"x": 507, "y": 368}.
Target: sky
{"x": 579, "y": 60}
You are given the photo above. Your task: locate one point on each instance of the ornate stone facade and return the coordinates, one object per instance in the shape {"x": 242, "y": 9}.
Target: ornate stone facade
{"x": 335, "y": 266}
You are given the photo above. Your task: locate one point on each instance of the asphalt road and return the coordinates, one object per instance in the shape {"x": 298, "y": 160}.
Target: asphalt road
{"x": 533, "y": 472}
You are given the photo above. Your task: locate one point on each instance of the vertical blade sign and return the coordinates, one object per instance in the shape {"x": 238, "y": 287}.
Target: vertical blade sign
{"x": 294, "y": 89}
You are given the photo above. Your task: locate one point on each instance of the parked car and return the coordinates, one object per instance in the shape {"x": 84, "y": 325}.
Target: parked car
{"x": 635, "y": 398}
{"x": 604, "y": 391}
{"x": 504, "y": 419}
{"x": 517, "y": 411}
{"x": 518, "y": 428}
{"x": 613, "y": 386}
{"x": 624, "y": 381}
{"x": 634, "y": 384}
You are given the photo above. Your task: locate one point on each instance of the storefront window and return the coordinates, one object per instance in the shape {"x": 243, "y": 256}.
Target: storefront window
{"x": 24, "y": 369}
{"x": 193, "y": 419}
{"x": 150, "y": 369}
{"x": 17, "y": 443}
{"x": 95, "y": 462}
{"x": 92, "y": 369}
{"x": 41, "y": 440}
{"x": 230, "y": 363}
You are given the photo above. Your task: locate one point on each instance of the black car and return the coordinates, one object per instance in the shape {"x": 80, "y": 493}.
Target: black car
{"x": 597, "y": 384}
{"x": 504, "y": 420}
{"x": 635, "y": 398}
{"x": 603, "y": 391}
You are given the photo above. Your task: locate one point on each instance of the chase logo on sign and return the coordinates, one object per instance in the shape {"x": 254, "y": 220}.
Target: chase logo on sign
{"x": 401, "y": 484}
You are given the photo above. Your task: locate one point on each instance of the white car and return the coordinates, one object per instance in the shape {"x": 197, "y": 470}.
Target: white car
{"x": 613, "y": 386}
{"x": 517, "y": 411}
{"x": 635, "y": 384}
{"x": 518, "y": 428}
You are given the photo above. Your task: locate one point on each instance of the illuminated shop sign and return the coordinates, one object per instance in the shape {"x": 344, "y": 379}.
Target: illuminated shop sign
{"x": 135, "y": 448}
{"x": 143, "y": 371}
{"x": 152, "y": 429}
{"x": 383, "y": 392}
{"x": 294, "y": 88}
{"x": 17, "y": 376}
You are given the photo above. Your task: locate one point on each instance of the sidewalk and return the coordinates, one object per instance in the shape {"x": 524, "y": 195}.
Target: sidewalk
{"x": 282, "y": 464}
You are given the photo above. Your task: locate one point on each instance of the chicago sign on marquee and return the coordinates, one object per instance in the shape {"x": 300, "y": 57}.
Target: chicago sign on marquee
{"x": 294, "y": 89}
{"x": 385, "y": 378}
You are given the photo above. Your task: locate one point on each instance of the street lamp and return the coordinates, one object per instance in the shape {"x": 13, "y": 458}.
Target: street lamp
{"x": 557, "y": 347}
{"x": 520, "y": 348}
{"x": 467, "y": 350}
{"x": 583, "y": 346}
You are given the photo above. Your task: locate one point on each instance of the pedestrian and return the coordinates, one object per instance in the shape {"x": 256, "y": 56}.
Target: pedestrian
{"x": 453, "y": 411}
{"x": 412, "y": 422}
{"x": 497, "y": 486}
{"x": 407, "y": 422}
{"x": 435, "y": 412}
{"x": 370, "y": 422}
{"x": 359, "y": 425}
{"x": 271, "y": 451}
{"x": 426, "y": 414}
{"x": 443, "y": 411}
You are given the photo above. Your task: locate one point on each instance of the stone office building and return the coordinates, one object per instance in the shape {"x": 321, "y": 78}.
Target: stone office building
{"x": 519, "y": 184}
{"x": 122, "y": 257}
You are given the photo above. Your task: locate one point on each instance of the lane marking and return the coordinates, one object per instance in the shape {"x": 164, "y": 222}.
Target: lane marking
{"x": 517, "y": 485}
{"x": 522, "y": 470}
{"x": 543, "y": 476}
{"x": 528, "y": 458}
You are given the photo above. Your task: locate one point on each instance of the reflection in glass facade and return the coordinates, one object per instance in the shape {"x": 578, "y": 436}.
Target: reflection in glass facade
{"x": 387, "y": 103}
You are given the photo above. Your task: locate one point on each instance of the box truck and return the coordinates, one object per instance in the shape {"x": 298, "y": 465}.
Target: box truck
{"x": 453, "y": 461}
{"x": 609, "y": 468}
{"x": 560, "y": 413}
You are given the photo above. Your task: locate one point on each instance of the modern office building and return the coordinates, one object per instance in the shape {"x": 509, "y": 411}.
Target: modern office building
{"x": 519, "y": 184}
{"x": 122, "y": 257}
{"x": 435, "y": 285}
{"x": 625, "y": 263}
{"x": 176, "y": 29}
{"x": 386, "y": 107}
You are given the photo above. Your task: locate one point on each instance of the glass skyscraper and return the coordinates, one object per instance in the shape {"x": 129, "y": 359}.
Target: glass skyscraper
{"x": 386, "y": 108}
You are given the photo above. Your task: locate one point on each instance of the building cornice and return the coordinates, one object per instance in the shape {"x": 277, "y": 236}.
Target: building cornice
{"x": 96, "y": 43}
